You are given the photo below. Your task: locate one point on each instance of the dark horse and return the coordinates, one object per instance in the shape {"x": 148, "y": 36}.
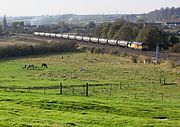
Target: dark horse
{"x": 30, "y": 66}
{"x": 44, "y": 65}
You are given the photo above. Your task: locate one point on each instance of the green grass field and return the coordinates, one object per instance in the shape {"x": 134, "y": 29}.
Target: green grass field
{"x": 136, "y": 98}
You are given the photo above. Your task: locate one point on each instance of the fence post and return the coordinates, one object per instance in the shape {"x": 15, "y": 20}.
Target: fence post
{"x": 73, "y": 90}
{"x": 164, "y": 81}
{"x": 29, "y": 88}
{"x": 135, "y": 95}
{"x": 54, "y": 89}
{"x": 110, "y": 94}
{"x": 44, "y": 90}
{"x": 162, "y": 96}
{"x": 86, "y": 89}
{"x": 60, "y": 87}
{"x": 120, "y": 86}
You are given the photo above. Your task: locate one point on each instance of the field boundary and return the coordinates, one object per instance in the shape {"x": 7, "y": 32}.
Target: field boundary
{"x": 101, "y": 90}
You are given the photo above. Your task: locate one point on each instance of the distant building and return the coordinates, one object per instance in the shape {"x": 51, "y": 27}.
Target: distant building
{"x": 171, "y": 25}
{"x": 30, "y": 27}
{"x": 153, "y": 24}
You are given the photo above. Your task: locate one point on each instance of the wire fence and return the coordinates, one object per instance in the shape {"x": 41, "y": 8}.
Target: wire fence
{"x": 138, "y": 90}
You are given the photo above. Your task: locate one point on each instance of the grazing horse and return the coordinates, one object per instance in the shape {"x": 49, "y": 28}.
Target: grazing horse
{"x": 24, "y": 66}
{"x": 44, "y": 65}
{"x": 30, "y": 66}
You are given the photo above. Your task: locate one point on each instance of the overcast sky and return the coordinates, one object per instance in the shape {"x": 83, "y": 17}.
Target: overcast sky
{"x": 53, "y": 7}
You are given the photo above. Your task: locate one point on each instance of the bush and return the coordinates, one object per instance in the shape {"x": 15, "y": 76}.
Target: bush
{"x": 134, "y": 58}
{"x": 92, "y": 50}
{"x": 175, "y": 48}
{"x": 114, "y": 52}
{"x": 99, "y": 50}
{"x": 124, "y": 54}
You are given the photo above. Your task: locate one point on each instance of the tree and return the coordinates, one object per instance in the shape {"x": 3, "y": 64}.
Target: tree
{"x": 175, "y": 48}
{"x": 115, "y": 27}
{"x": 104, "y": 31}
{"x": 21, "y": 26}
{"x": 4, "y": 27}
{"x": 90, "y": 28}
{"x": 18, "y": 27}
{"x": 127, "y": 32}
{"x": 64, "y": 27}
{"x": 0, "y": 30}
{"x": 151, "y": 36}
{"x": 91, "y": 25}
{"x": 173, "y": 40}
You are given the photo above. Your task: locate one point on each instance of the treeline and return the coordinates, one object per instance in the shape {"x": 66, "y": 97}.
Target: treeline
{"x": 35, "y": 49}
{"x": 123, "y": 30}
{"x": 162, "y": 15}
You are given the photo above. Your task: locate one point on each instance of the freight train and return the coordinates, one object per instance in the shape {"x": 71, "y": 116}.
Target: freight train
{"x": 112, "y": 42}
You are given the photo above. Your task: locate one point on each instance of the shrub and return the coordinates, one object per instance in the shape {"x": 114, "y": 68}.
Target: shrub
{"x": 124, "y": 54}
{"x": 92, "y": 50}
{"x": 175, "y": 48}
{"x": 114, "y": 52}
{"x": 99, "y": 50}
{"x": 134, "y": 58}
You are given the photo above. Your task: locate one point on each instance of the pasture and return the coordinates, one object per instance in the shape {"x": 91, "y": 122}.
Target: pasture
{"x": 134, "y": 97}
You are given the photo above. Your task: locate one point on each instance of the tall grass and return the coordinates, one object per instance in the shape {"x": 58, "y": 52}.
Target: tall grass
{"x": 35, "y": 49}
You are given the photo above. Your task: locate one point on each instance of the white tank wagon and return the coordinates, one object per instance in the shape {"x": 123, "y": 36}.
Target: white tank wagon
{"x": 65, "y": 36}
{"x": 87, "y": 39}
{"x": 71, "y": 37}
{"x": 103, "y": 41}
{"x": 122, "y": 43}
{"x": 58, "y": 35}
{"x": 112, "y": 42}
{"x": 47, "y": 34}
{"x": 94, "y": 40}
{"x": 36, "y": 33}
{"x": 79, "y": 38}
{"x": 52, "y": 35}
{"x": 41, "y": 34}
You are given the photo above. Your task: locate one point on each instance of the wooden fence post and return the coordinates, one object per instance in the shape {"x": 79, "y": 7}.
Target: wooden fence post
{"x": 73, "y": 90}
{"x": 60, "y": 87}
{"x": 120, "y": 86}
{"x": 164, "y": 81}
{"x": 86, "y": 89}
{"x": 29, "y": 88}
{"x": 160, "y": 81}
{"x": 135, "y": 95}
{"x": 162, "y": 96}
{"x": 110, "y": 93}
